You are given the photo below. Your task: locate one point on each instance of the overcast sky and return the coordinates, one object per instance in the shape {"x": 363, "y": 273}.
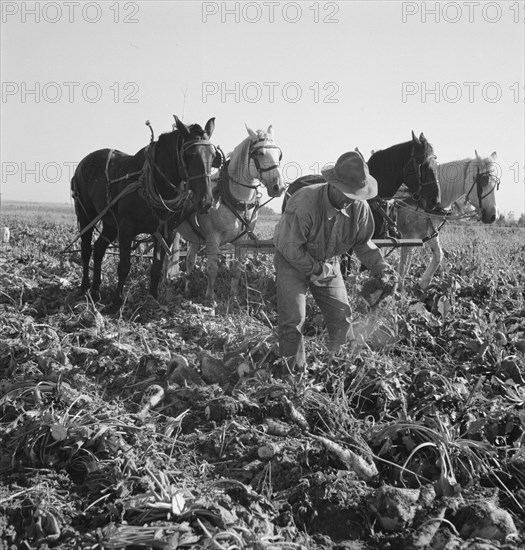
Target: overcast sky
{"x": 330, "y": 76}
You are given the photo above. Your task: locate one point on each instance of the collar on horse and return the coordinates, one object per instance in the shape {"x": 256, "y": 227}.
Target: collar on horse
{"x": 244, "y": 211}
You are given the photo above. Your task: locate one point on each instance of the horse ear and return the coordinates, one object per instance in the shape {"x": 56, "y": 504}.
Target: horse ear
{"x": 414, "y": 138}
{"x": 269, "y": 132}
{"x": 181, "y": 127}
{"x": 210, "y": 127}
{"x": 359, "y": 153}
{"x": 251, "y": 133}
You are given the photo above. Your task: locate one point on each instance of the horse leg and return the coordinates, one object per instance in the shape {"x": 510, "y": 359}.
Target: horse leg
{"x": 172, "y": 264}
{"x": 237, "y": 270}
{"x": 159, "y": 255}
{"x": 191, "y": 257}
{"x": 437, "y": 256}
{"x": 212, "y": 269}
{"x": 86, "y": 256}
{"x": 405, "y": 258}
{"x": 99, "y": 250}
{"x": 124, "y": 264}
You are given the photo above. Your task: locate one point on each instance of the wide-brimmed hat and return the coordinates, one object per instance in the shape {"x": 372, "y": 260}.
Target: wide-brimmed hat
{"x": 351, "y": 176}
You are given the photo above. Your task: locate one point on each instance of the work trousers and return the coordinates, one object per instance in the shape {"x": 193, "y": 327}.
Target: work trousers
{"x": 331, "y": 297}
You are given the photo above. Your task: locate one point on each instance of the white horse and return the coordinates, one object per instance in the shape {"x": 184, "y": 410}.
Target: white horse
{"x": 254, "y": 162}
{"x": 473, "y": 180}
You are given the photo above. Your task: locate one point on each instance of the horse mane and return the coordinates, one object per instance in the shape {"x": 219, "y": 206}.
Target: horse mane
{"x": 384, "y": 165}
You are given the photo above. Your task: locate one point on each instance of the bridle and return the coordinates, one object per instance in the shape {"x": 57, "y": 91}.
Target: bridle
{"x": 252, "y": 155}
{"x": 183, "y": 169}
{"x": 244, "y": 211}
{"x": 417, "y": 172}
{"x": 478, "y": 183}
{"x": 183, "y": 190}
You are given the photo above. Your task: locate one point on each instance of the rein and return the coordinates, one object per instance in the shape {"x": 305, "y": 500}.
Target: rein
{"x": 184, "y": 193}
{"x": 417, "y": 171}
{"x": 186, "y": 146}
{"x": 153, "y": 197}
{"x": 237, "y": 206}
{"x": 252, "y": 155}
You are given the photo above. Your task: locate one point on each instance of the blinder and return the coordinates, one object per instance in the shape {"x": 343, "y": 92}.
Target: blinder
{"x": 482, "y": 180}
{"x": 187, "y": 145}
{"x": 253, "y": 155}
{"x": 219, "y": 159}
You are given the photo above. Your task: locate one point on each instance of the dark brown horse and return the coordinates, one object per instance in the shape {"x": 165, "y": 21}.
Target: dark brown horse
{"x": 412, "y": 163}
{"x": 150, "y": 192}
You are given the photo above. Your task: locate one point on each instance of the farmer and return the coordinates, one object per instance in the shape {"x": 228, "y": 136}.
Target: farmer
{"x": 321, "y": 222}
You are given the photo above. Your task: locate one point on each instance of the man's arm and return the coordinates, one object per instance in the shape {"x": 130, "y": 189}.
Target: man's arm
{"x": 364, "y": 248}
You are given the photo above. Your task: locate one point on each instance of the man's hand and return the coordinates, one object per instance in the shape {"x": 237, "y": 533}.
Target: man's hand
{"x": 378, "y": 288}
{"x": 327, "y": 273}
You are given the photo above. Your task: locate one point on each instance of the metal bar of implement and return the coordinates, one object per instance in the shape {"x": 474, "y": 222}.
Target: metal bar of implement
{"x": 266, "y": 245}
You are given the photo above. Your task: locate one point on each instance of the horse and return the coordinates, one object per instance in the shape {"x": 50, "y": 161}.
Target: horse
{"x": 149, "y": 192}
{"x": 254, "y": 162}
{"x": 412, "y": 163}
{"x": 474, "y": 179}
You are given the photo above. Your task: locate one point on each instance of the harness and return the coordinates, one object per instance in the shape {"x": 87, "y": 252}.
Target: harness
{"x": 245, "y": 212}
{"x": 390, "y": 223}
{"x": 477, "y": 182}
{"x": 237, "y": 206}
{"x": 417, "y": 172}
{"x": 252, "y": 155}
{"x": 145, "y": 184}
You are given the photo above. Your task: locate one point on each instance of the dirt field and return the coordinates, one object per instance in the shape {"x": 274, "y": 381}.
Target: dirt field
{"x": 167, "y": 426}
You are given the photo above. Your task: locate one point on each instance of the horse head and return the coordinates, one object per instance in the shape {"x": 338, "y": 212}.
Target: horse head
{"x": 421, "y": 173}
{"x": 266, "y": 157}
{"x": 197, "y": 155}
{"x": 482, "y": 193}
